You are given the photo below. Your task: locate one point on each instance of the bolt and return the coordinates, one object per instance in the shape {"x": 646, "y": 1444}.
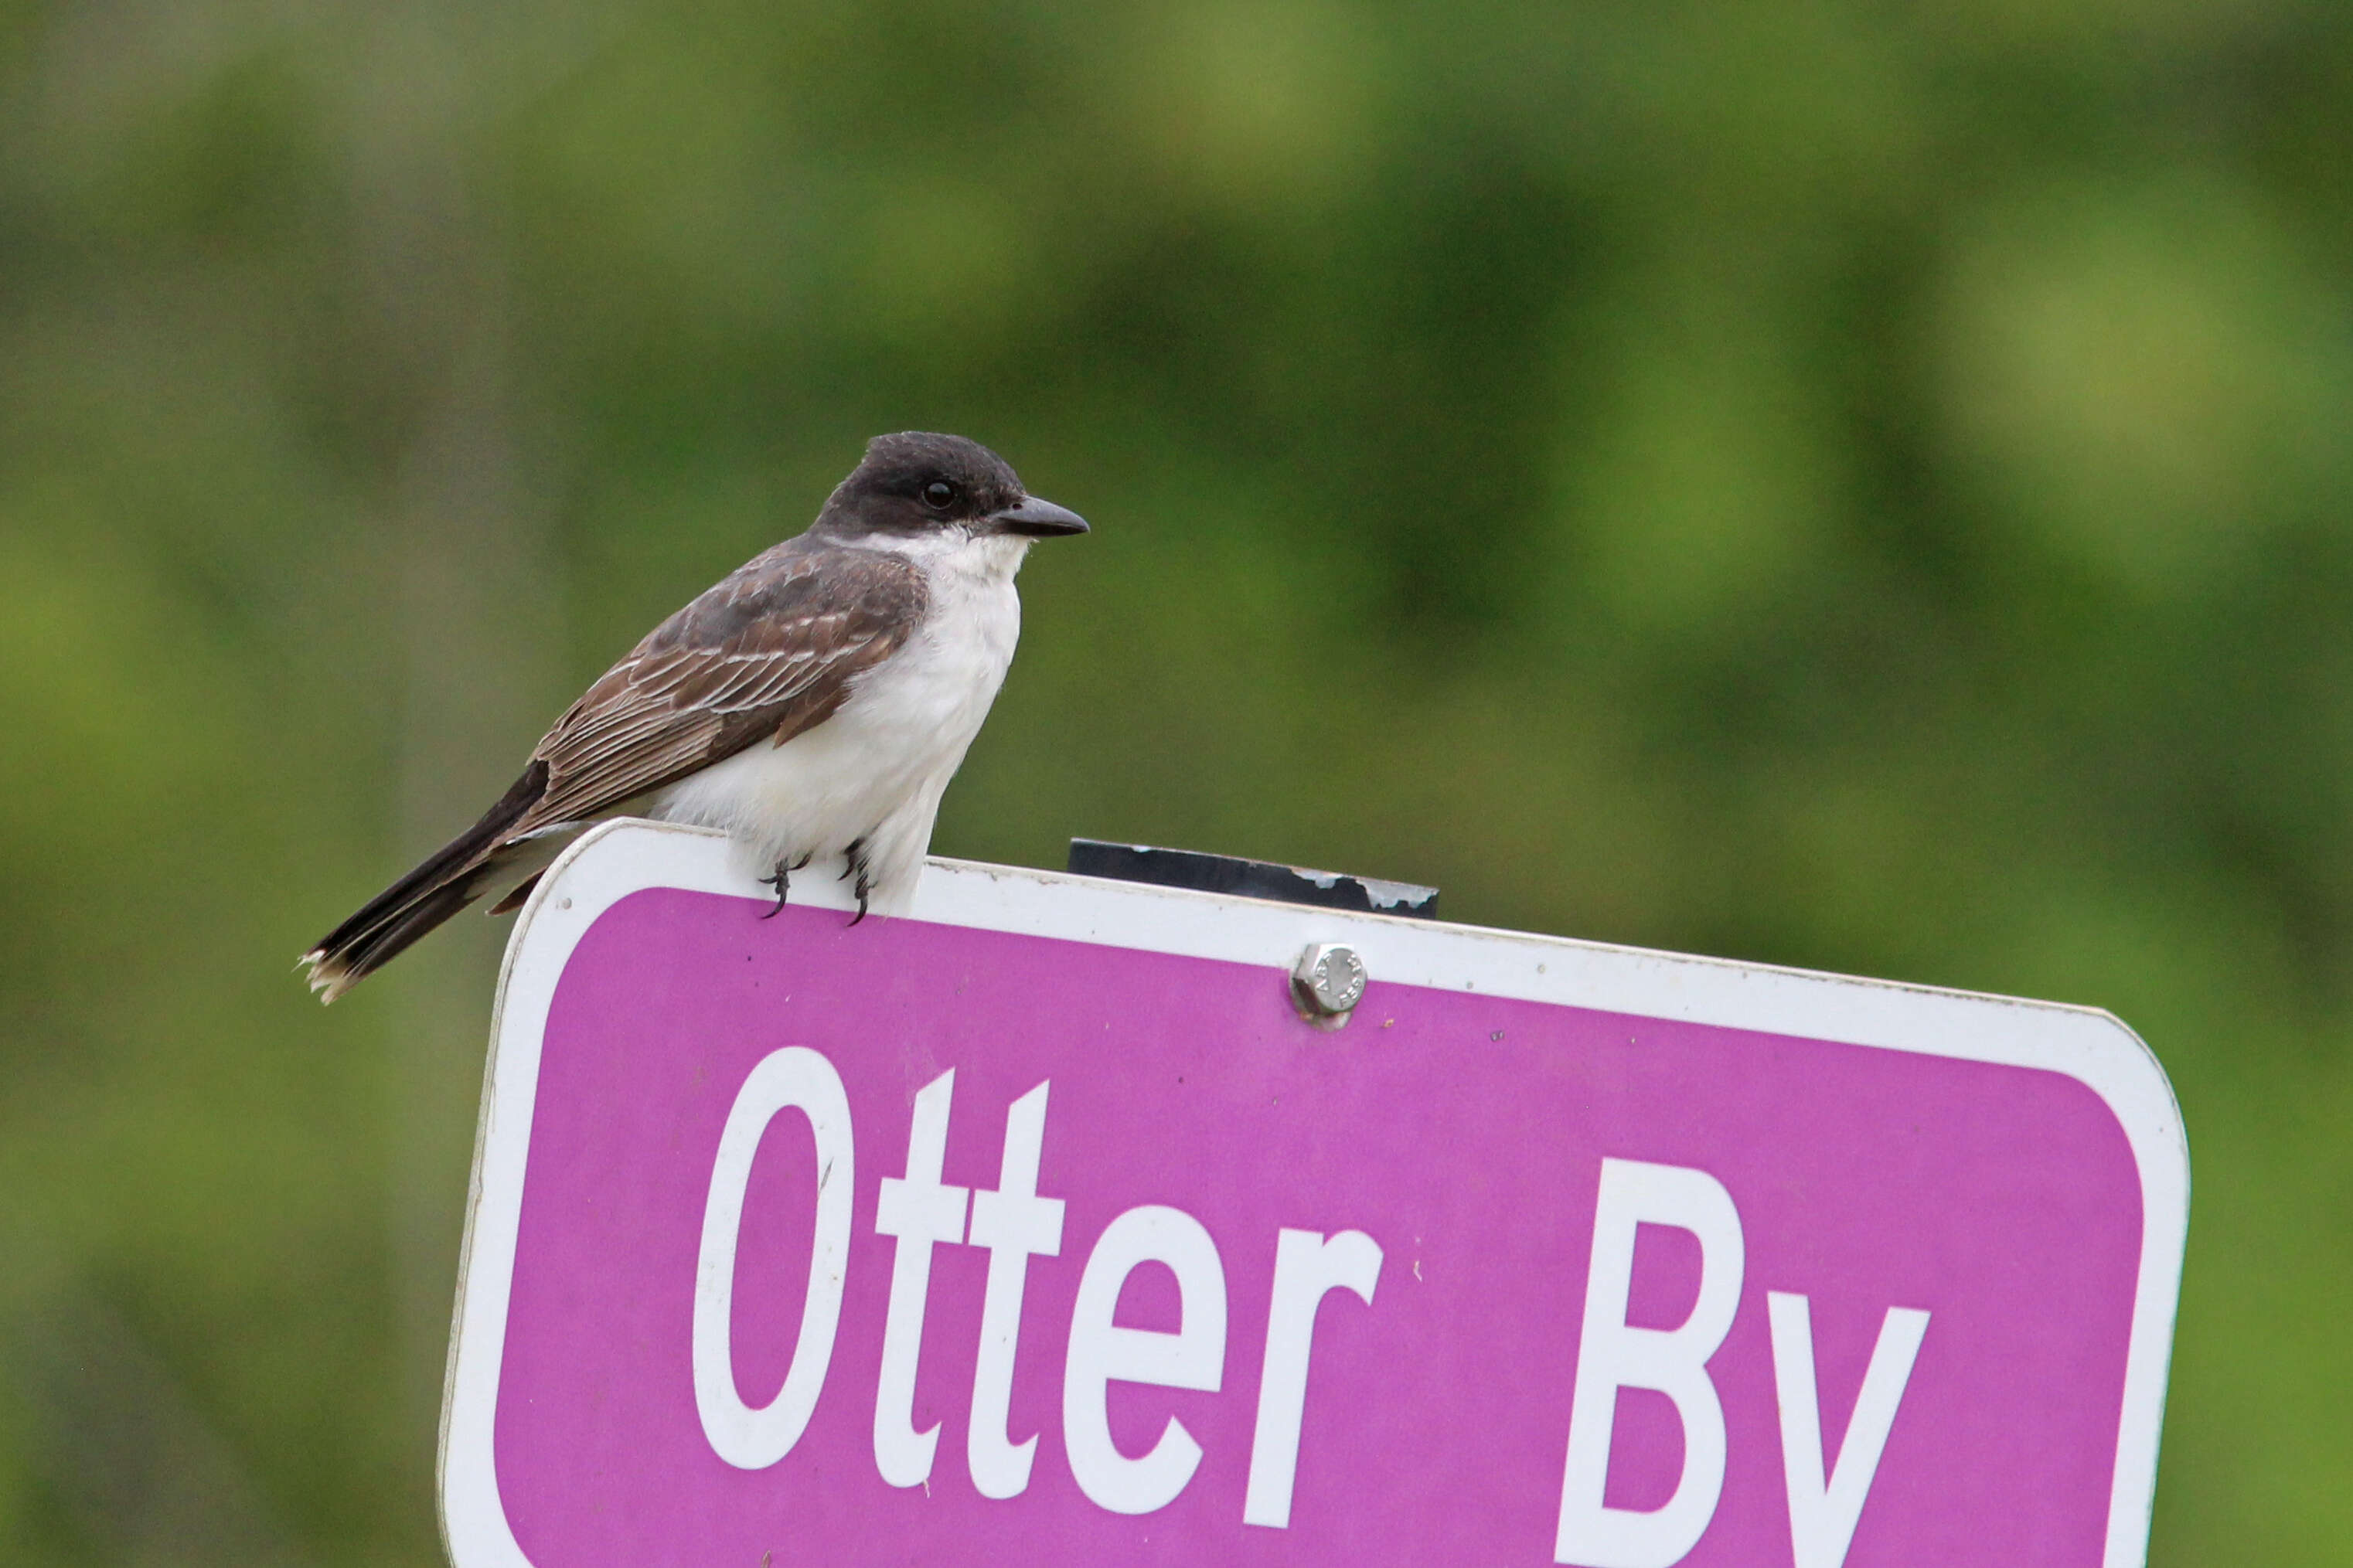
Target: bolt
{"x": 1326, "y": 983}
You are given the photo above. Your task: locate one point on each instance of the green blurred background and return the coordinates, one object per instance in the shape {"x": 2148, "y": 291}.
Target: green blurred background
{"x": 1859, "y": 486}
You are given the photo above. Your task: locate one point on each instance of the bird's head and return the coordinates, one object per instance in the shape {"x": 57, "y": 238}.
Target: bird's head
{"x": 917, "y": 484}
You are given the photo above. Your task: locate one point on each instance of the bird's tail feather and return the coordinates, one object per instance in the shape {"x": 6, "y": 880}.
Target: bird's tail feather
{"x": 445, "y": 882}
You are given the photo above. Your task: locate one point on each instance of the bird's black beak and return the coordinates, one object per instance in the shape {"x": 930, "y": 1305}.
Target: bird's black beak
{"x": 1038, "y": 519}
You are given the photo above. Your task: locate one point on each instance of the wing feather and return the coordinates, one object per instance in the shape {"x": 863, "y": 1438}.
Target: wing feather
{"x": 764, "y": 655}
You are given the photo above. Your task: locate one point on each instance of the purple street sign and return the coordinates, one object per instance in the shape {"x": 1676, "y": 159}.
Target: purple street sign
{"x": 1038, "y": 1227}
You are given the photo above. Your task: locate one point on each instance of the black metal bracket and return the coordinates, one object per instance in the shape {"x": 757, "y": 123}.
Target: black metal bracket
{"x": 1248, "y": 878}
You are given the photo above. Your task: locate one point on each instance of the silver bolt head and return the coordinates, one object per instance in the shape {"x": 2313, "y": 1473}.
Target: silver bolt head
{"x": 1327, "y": 982}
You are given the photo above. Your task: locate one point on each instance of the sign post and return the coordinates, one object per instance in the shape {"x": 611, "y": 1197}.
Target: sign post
{"x": 1043, "y": 1226}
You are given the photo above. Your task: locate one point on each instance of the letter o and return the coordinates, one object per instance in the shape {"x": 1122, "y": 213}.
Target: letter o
{"x": 798, "y": 1078}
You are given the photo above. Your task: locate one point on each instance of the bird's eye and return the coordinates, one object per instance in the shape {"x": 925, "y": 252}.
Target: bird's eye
{"x": 939, "y": 495}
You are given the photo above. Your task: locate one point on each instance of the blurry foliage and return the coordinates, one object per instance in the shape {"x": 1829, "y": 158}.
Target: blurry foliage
{"x": 1852, "y": 486}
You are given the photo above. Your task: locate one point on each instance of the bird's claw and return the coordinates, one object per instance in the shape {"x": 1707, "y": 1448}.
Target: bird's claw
{"x": 853, "y": 862}
{"x": 781, "y": 879}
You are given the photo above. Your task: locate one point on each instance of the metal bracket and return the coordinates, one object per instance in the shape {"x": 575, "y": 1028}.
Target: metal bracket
{"x": 1249, "y": 879}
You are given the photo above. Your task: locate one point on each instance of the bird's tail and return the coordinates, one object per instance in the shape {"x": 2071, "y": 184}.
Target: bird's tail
{"x": 449, "y": 879}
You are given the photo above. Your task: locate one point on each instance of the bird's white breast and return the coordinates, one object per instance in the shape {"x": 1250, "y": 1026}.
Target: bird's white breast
{"x": 876, "y": 769}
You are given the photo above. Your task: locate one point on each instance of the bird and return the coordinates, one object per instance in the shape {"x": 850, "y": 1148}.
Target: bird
{"x": 813, "y": 704}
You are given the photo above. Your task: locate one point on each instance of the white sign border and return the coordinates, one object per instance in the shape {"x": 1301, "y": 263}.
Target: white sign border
{"x": 623, "y": 856}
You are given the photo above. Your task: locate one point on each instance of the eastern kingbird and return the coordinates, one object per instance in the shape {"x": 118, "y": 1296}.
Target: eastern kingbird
{"x": 814, "y": 703}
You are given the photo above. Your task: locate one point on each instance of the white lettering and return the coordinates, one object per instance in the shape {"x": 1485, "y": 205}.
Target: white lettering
{"x": 1306, "y": 1268}
{"x": 1013, "y": 1222}
{"x": 1822, "y": 1517}
{"x": 1101, "y": 1353}
{"x": 1612, "y": 1355}
{"x": 800, "y": 1079}
{"x": 919, "y": 1211}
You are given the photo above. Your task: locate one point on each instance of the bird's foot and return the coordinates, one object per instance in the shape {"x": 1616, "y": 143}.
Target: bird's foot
{"x": 853, "y": 864}
{"x": 781, "y": 880}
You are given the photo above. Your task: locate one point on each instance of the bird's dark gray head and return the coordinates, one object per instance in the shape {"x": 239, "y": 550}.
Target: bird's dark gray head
{"x": 917, "y": 482}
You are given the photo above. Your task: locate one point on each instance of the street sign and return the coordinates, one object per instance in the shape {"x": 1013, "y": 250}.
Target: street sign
{"x": 1043, "y": 1226}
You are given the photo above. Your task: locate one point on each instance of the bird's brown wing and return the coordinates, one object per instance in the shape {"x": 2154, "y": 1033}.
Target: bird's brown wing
{"x": 770, "y": 651}
{"x": 763, "y": 655}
